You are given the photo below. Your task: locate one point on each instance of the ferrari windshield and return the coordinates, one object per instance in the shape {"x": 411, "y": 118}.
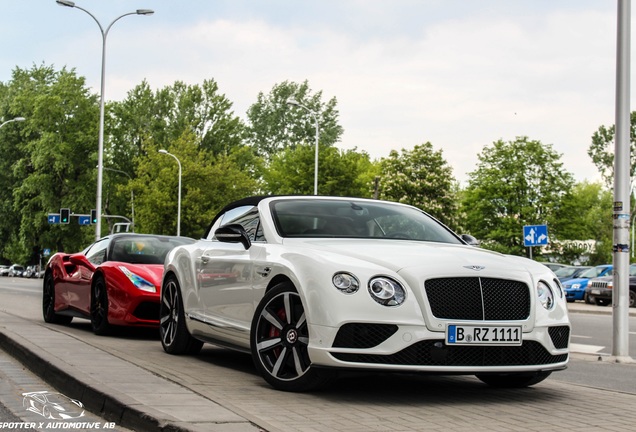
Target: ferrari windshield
{"x": 356, "y": 219}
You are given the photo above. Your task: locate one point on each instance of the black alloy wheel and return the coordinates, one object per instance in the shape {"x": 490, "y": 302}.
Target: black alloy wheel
{"x": 279, "y": 339}
{"x": 48, "y": 303}
{"x": 175, "y": 337}
{"x": 99, "y": 307}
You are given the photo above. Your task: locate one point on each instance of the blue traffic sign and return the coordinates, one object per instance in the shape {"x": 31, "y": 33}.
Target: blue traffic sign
{"x": 84, "y": 220}
{"x": 535, "y": 235}
{"x": 54, "y": 218}
{"x": 46, "y": 252}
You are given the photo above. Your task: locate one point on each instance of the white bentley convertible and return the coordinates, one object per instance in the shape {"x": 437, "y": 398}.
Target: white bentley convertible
{"x": 310, "y": 285}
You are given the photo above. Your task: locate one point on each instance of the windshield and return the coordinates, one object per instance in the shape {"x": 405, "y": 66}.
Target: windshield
{"x": 356, "y": 219}
{"x": 565, "y": 271}
{"x": 145, "y": 249}
{"x": 593, "y": 272}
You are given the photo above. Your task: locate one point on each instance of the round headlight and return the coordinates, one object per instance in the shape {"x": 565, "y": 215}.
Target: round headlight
{"x": 545, "y": 294}
{"x": 386, "y": 291}
{"x": 345, "y": 282}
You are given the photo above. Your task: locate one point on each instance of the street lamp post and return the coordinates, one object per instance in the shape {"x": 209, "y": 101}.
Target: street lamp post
{"x": 132, "y": 195}
{"x": 100, "y": 156}
{"x": 162, "y": 151}
{"x": 17, "y": 119}
{"x": 291, "y": 101}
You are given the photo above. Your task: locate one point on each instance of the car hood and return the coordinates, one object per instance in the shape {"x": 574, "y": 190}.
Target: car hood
{"x": 399, "y": 255}
{"x": 576, "y": 281}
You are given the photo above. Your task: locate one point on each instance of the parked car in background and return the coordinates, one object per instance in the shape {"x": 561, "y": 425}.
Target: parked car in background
{"x": 575, "y": 288}
{"x": 4, "y": 270}
{"x": 554, "y": 266}
{"x": 310, "y": 285}
{"x": 16, "y": 270}
{"x": 599, "y": 290}
{"x": 114, "y": 281}
{"x": 570, "y": 272}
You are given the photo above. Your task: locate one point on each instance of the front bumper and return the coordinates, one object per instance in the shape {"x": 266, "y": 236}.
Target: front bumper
{"x": 415, "y": 348}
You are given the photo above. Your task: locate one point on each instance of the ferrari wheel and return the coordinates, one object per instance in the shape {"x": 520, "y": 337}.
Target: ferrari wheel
{"x": 514, "y": 380}
{"x": 99, "y": 307}
{"x": 175, "y": 337}
{"x": 48, "y": 303}
{"x": 279, "y": 339}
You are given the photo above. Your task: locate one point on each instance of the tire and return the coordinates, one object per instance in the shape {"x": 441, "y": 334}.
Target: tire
{"x": 48, "y": 303}
{"x": 279, "y": 339}
{"x": 602, "y": 302}
{"x": 99, "y": 307}
{"x": 175, "y": 337}
{"x": 632, "y": 298}
{"x": 589, "y": 299}
{"x": 514, "y": 380}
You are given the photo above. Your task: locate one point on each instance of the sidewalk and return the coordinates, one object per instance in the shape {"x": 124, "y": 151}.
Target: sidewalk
{"x": 132, "y": 397}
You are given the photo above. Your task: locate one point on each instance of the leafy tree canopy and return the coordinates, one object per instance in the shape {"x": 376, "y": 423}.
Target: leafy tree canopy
{"x": 275, "y": 125}
{"x": 421, "y": 177}
{"x": 516, "y": 183}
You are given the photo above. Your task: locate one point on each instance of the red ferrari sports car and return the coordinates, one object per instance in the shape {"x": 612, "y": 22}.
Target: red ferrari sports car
{"x": 114, "y": 281}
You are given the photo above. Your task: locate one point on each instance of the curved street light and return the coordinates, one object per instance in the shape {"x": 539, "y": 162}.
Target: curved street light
{"x": 132, "y": 195}
{"x": 100, "y": 157}
{"x": 162, "y": 151}
{"x": 17, "y": 119}
{"x": 292, "y": 101}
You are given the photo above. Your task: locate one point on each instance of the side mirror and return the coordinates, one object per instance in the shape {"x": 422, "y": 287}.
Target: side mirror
{"x": 81, "y": 260}
{"x": 470, "y": 240}
{"x": 233, "y": 233}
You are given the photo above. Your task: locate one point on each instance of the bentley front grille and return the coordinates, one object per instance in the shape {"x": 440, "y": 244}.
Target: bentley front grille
{"x": 477, "y": 298}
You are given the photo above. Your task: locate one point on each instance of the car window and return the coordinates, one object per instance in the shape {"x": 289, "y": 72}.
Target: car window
{"x": 144, "y": 249}
{"x": 229, "y": 217}
{"x": 593, "y": 272}
{"x": 250, "y": 221}
{"x": 96, "y": 254}
{"x": 352, "y": 219}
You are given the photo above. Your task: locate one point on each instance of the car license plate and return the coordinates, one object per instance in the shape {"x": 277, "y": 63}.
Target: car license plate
{"x": 483, "y": 335}
{"x": 596, "y": 292}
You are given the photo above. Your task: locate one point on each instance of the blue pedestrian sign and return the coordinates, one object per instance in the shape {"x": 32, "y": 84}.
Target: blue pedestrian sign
{"x": 84, "y": 220}
{"x": 535, "y": 235}
{"x": 46, "y": 252}
{"x": 54, "y": 218}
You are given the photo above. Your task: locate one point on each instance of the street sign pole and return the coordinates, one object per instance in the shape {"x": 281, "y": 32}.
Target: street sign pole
{"x": 620, "y": 297}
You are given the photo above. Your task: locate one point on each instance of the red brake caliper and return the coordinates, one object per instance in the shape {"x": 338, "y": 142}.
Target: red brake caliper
{"x": 274, "y": 332}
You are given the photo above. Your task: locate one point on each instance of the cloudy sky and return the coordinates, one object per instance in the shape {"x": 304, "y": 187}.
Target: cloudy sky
{"x": 457, "y": 73}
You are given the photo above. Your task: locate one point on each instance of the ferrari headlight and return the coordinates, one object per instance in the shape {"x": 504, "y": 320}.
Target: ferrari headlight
{"x": 386, "y": 291}
{"x": 345, "y": 282}
{"x": 138, "y": 281}
{"x": 545, "y": 294}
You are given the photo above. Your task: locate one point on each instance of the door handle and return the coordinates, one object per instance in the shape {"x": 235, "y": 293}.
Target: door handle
{"x": 205, "y": 259}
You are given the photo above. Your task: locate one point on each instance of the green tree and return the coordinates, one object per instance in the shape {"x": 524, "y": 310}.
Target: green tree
{"x": 585, "y": 213}
{"x": 421, "y": 177}
{"x": 274, "y": 125}
{"x": 601, "y": 150}
{"x": 48, "y": 162}
{"x": 163, "y": 117}
{"x": 516, "y": 183}
{"x": 208, "y": 183}
{"x": 340, "y": 172}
